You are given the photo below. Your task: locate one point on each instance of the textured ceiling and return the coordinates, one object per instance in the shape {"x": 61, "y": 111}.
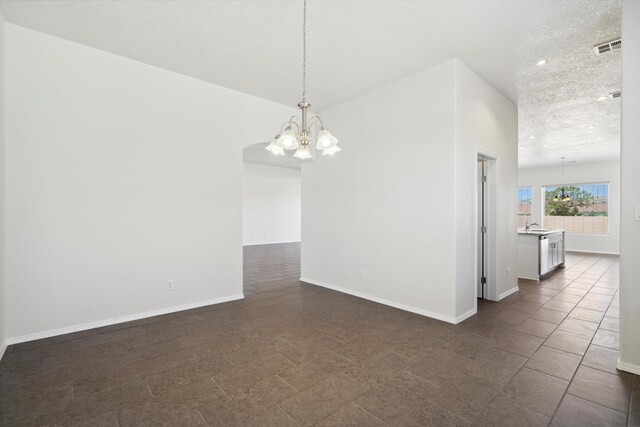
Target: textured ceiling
{"x": 558, "y": 109}
{"x": 357, "y": 46}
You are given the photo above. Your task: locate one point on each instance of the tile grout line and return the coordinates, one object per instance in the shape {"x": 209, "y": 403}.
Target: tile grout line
{"x": 566, "y": 391}
{"x": 353, "y": 402}
{"x": 219, "y": 386}
{"x": 287, "y": 414}
{"x": 149, "y": 388}
{"x": 197, "y": 409}
{"x": 229, "y": 360}
{"x": 633, "y": 381}
{"x": 320, "y": 313}
{"x": 287, "y": 383}
{"x": 556, "y": 328}
{"x": 294, "y": 363}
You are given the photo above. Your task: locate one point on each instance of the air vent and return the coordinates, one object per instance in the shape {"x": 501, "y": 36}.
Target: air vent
{"x": 607, "y": 47}
{"x": 616, "y": 94}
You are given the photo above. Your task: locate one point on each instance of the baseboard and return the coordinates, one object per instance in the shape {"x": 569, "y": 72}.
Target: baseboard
{"x": 116, "y": 320}
{"x": 592, "y": 252}
{"x": 420, "y": 311}
{"x": 628, "y": 367}
{"x": 3, "y": 348}
{"x": 465, "y": 316}
{"x": 507, "y": 293}
{"x": 270, "y": 243}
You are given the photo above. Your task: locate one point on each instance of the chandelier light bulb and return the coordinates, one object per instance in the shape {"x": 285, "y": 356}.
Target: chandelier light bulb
{"x": 326, "y": 140}
{"x": 273, "y": 147}
{"x": 303, "y": 153}
{"x": 288, "y": 139}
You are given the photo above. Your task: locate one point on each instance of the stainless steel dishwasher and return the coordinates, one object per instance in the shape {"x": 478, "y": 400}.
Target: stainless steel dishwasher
{"x": 551, "y": 252}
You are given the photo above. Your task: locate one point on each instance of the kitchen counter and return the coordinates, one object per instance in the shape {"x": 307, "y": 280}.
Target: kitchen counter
{"x": 538, "y": 232}
{"x": 539, "y": 252}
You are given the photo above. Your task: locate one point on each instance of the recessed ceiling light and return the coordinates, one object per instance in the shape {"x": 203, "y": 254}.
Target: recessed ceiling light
{"x": 545, "y": 146}
{"x": 542, "y": 62}
{"x": 532, "y": 137}
{"x": 590, "y": 127}
{"x": 602, "y": 98}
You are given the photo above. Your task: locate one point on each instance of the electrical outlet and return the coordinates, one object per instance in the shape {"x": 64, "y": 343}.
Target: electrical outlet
{"x": 361, "y": 273}
{"x": 171, "y": 285}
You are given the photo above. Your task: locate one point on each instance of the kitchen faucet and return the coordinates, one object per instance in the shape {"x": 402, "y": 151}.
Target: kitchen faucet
{"x": 527, "y": 226}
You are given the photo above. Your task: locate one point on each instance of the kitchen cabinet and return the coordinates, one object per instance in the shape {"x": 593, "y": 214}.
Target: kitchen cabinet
{"x": 551, "y": 252}
{"x": 540, "y": 252}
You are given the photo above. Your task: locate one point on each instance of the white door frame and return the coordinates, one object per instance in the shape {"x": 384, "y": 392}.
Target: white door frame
{"x": 490, "y": 288}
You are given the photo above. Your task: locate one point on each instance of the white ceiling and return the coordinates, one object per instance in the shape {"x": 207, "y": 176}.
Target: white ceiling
{"x": 356, "y": 46}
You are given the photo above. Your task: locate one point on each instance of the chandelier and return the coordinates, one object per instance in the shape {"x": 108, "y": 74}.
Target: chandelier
{"x": 296, "y": 133}
{"x": 563, "y": 196}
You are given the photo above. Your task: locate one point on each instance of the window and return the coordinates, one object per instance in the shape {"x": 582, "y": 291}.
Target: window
{"x": 524, "y": 206}
{"x": 587, "y": 211}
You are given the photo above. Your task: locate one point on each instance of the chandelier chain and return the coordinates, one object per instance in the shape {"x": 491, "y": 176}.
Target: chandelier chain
{"x": 304, "y": 52}
{"x": 301, "y": 138}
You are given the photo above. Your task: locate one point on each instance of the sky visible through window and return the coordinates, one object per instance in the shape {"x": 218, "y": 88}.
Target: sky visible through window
{"x": 524, "y": 206}
{"x": 524, "y": 198}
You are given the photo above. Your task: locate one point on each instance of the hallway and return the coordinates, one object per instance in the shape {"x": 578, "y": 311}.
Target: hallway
{"x": 297, "y": 354}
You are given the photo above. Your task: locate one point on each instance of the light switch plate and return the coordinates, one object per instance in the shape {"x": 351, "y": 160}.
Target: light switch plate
{"x": 637, "y": 212}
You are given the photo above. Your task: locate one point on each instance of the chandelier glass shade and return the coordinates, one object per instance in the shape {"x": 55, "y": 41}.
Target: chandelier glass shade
{"x": 299, "y": 132}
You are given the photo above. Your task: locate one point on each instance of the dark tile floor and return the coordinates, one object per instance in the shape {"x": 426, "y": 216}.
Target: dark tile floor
{"x": 296, "y": 354}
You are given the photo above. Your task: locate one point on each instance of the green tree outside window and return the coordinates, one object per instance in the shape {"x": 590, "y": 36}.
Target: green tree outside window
{"x": 581, "y": 201}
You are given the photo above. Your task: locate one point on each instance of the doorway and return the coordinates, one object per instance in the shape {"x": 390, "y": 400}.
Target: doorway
{"x": 271, "y": 219}
{"x": 485, "y": 274}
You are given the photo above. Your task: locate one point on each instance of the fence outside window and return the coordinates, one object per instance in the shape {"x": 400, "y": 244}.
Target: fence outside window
{"x": 586, "y": 212}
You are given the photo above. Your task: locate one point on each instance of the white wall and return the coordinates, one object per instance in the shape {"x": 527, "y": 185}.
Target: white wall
{"x": 608, "y": 171}
{"x": 381, "y": 219}
{"x": 374, "y": 206}
{"x": 2, "y": 190}
{"x": 120, "y": 176}
{"x": 486, "y": 123}
{"x": 630, "y": 191}
{"x": 270, "y": 204}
